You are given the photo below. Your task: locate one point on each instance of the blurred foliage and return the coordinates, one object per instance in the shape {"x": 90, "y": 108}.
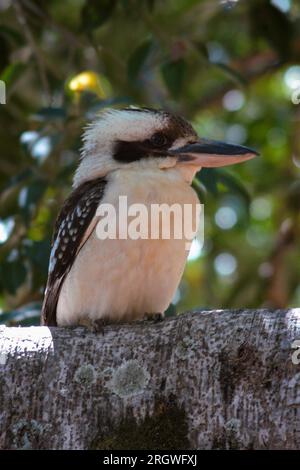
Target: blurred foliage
{"x": 228, "y": 66}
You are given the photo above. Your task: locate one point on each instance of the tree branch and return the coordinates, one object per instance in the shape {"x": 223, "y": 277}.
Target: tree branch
{"x": 219, "y": 379}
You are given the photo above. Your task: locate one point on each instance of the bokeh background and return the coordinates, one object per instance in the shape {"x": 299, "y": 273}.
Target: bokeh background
{"x": 231, "y": 67}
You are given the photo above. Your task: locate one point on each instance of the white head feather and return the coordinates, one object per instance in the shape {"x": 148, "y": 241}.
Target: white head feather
{"x": 101, "y": 134}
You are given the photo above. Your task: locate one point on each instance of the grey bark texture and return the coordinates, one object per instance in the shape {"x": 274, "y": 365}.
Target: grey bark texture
{"x": 202, "y": 380}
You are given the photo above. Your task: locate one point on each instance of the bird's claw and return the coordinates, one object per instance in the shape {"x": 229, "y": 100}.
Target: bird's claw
{"x": 95, "y": 326}
{"x": 155, "y": 317}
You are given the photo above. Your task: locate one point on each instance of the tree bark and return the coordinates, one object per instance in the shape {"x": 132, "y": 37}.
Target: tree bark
{"x": 202, "y": 380}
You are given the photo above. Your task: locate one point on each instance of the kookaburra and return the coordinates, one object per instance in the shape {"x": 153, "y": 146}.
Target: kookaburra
{"x": 151, "y": 157}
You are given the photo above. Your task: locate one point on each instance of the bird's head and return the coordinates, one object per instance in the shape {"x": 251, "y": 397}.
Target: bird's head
{"x": 143, "y": 138}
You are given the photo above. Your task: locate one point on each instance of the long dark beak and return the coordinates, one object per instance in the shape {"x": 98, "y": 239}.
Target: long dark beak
{"x": 212, "y": 153}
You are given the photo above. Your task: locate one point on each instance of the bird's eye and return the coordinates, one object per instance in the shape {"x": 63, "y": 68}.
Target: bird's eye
{"x": 158, "y": 140}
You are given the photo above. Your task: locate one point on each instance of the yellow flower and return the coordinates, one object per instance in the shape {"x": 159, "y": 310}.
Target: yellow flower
{"x": 89, "y": 81}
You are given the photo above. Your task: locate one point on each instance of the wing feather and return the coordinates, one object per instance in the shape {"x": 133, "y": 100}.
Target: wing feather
{"x": 71, "y": 232}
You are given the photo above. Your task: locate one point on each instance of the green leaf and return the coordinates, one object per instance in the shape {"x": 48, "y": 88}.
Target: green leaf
{"x": 137, "y": 59}
{"x": 19, "y": 178}
{"x": 12, "y": 72}
{"x": 96, "y": 12}
{"x": 234, "y": 75}
{"x": 12, "y": 275}
{"x": 50, "y": 114}
{"x": 208, "y": 178}
{"x": 98, "y": 105}
{"x": 213, "y": 178}
{"x": 171, "y": 311}
{"x": 173, "y": 76}
{"x": 269, "y": 22}
{"x": 11, "y": 33}
{"x": 202, "y": 49}
{"x": 233, "y": 184}
{"x": 38, "y": 252}
{"x": 10, "y": 193}
{"x": 33, "y": 193}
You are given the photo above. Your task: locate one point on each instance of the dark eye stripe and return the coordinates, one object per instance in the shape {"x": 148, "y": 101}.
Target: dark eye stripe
{"x": 158, "y": 143}
{"x": 127, "y": 152}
